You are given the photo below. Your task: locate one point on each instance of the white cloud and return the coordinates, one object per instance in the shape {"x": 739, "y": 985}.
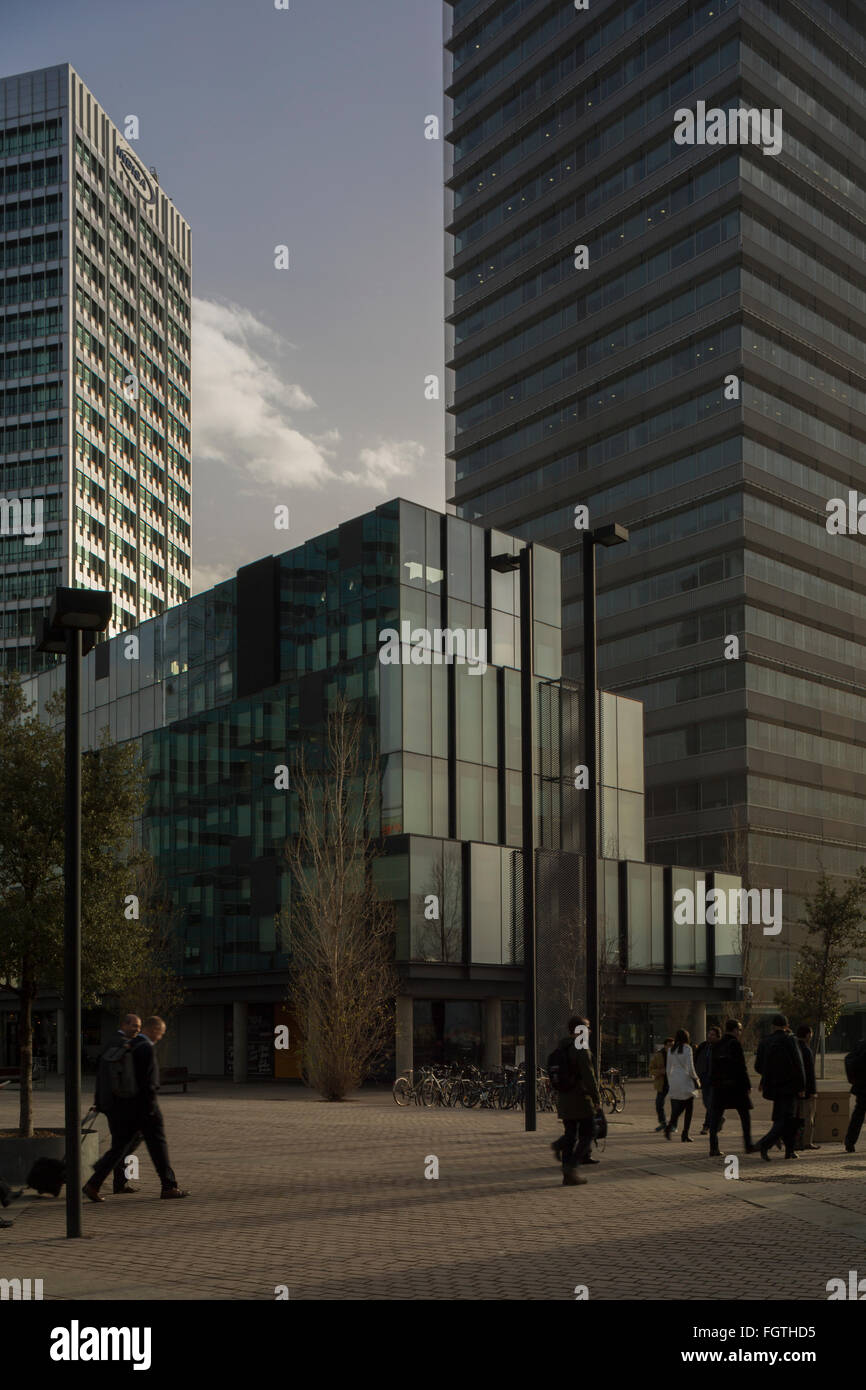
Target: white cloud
{"x": 242, "y": 409}
{"x": 389, "y": 460}
{"x": 206, "y": 576}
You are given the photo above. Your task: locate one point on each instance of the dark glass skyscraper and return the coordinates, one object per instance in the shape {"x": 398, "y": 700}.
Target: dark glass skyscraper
{"x": 696, "y": 372}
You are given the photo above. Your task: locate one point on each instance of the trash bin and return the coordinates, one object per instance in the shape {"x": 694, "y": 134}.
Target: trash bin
{"x": 831, "y": 1117}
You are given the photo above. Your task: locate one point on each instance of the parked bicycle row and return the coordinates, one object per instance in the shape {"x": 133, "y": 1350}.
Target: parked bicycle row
{"x": 470, "y": 1088}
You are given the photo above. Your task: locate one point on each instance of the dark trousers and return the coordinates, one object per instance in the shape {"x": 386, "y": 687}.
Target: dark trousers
{"x": 660, "y": 1106}
{"x": 679, "y": 1107}
{"x": 858, "y": 1114}
{"x": 784, "y": 1124}
{"x": 716, "y": 1118}
{"x": 132, "y": 1121}
{"x": 576, "y": 1143}
{"x": 118, "y": 1125}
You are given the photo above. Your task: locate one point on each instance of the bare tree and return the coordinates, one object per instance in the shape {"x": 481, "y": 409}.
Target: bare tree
{"x": 156, "y": 987}
{"x": 340, "y": 933}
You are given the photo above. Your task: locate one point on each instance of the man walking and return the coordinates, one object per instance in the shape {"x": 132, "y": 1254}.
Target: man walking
{"x": 658, "y": 1069}
{"x": 809, "y": 1104}
{"x": 577, "y": 1100}
{"x": 115, "y": 1110}
{"x": 728, "y": 1080}
{"x": 142, "y": 1113}
{"x": 855, "y": 1070}
{"x": 702, "y": 1067}
{"x": 779, "y": 1063}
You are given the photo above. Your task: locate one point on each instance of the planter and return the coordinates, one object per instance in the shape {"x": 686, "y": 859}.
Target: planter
{"x": 17, "y": 1156}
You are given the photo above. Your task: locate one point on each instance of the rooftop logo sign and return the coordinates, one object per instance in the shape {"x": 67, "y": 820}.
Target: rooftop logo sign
{"x": 135, "y": 174}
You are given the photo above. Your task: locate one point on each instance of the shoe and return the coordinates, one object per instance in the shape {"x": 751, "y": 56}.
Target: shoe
{"x": 120, "y": 1191}
{"x": 715, "y": 1153}
{"x": 812, "y": 1146}
{"x": 705, "y": 1130}
{"x": 753, "y": 1148}
{"x": 764, "y": 1153}
{"x": 849, "y": 1148}
{"x": 659, "y": 1128}
{"x": 173, "y": 1192}
{"x": 687, "y": 1139}
{"x": 667, "y": 1133}
{"x": 92, "y": 1192}
{"x": 590, "y": 1160}
{"x": 792, "y": 1154}
{"x": 571, "y": 1178}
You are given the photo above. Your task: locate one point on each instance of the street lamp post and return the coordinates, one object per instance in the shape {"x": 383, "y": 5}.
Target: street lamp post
{"x": 503, "y": 564}
{"x": 74, "y": 618}
{"x": 614, "y": 534}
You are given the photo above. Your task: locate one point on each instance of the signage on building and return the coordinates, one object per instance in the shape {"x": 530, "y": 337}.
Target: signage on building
{"x": 136, "y": 175}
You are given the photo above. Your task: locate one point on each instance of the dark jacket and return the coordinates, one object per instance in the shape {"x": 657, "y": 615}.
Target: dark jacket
{"x": 808, "y": 1066}
{"x": 146, "y": 1071}
{"x": 584, "y": 1100}
{"x": 103, "y": 1098}
{"x": 779, "y": 1064}
{"x": 703, "y": 1056}
{"x": 728, "y": 1074}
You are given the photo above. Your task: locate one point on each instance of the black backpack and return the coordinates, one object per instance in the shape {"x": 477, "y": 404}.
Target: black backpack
{"x": 855, "y": 1065}
{"x": 562, "y": 1071}
{"x": 116, "y": 1078}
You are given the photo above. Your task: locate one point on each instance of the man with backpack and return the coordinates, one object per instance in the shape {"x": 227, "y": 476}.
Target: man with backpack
{"x": 577, "y": 1098}
{"x": 779, "y": 1064}
{"x": 108, "y": 1095}
{"x": 728, "y": 1080}
{"x": 855, "y": 1070}
{"x": 138, "y": 1112}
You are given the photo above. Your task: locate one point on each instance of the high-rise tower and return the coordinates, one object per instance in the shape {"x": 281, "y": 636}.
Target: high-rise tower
{"x": 94, "y": 364}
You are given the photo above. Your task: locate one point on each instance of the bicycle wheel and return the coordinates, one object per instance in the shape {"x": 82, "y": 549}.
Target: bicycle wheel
{"x": 607, "y": 1096}
{"x": 619, "y": 1093}
{"x": 427, "y": 1092}
{"x": 402, "y": 1090}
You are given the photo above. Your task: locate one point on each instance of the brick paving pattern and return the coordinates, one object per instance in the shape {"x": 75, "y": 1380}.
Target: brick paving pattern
{"x": 331, "y": 1200}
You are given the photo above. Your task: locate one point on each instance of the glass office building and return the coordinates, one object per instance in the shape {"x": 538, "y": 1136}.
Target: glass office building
{"x": 94, "y": 365}
{"x": 230, "y": 686}
{"x": 698, "y": 375}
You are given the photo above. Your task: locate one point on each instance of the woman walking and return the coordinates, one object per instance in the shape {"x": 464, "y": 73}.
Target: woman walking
{"x": 683, "y": 1084}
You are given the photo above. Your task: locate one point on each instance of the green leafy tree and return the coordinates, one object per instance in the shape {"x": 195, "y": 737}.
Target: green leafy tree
{"x": 835, "y": 932}
{"x": 114, "y": 946}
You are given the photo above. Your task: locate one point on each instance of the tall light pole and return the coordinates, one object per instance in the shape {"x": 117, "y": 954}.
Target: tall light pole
{"x": 75, "y": 616}
{"x": 614, "y": 534}
{"x": 503, "y": 564}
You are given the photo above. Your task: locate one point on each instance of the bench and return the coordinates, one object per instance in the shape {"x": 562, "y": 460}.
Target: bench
{"x": 175, "y": 1076}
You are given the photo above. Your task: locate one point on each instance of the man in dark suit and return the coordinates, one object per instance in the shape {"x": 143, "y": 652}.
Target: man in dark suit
{"x": 728, "y": 1080}
{"x": 779, "y": 1064}
{"x": 809, "y": 1104}
{"x": 141, "y": 1114}
{"x": 115, "y": 1111}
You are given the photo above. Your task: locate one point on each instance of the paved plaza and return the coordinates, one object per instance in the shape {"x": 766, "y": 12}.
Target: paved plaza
{"x": 332, "y": 1201}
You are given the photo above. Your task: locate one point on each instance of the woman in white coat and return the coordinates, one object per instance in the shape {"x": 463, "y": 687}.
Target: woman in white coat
{"x": 683, "y": 1084}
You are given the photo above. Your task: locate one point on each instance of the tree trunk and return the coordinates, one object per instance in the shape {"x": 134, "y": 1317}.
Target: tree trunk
{"x": 25, "y": 1036}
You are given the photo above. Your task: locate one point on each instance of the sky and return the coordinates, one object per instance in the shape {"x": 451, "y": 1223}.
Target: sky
{"x": 305, "y": 128}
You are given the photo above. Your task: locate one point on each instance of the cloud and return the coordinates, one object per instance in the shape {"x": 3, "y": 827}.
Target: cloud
{"x": 206, "y": 576}
{"x": 389, "y": 460}
{"x": 242, "y": 410}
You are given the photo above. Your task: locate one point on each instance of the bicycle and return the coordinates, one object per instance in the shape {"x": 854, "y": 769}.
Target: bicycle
{"x": 616, "y": 1086}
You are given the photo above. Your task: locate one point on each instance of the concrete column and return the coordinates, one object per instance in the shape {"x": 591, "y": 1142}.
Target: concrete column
{"x": 61, "y": 1042}
{"x": 492, "y": 1034}
{"x": 405, "y": 1042}
{"x": 239, "y": 1040}
{"x": 698, "y": 1023}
